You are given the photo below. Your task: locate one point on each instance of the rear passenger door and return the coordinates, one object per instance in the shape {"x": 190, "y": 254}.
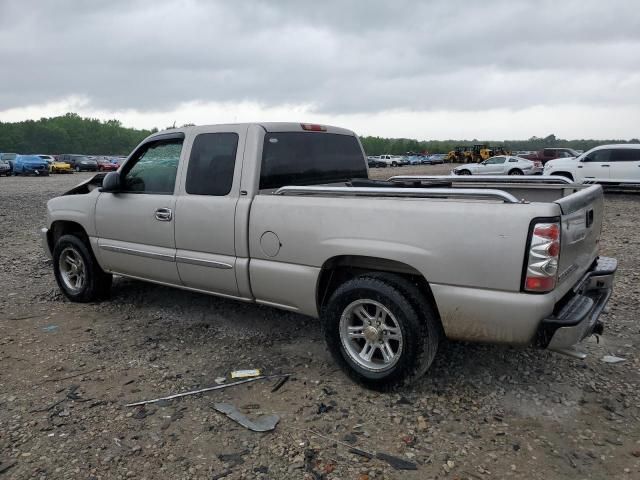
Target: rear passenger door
{"x": 625, "y": 165}
{"x": 205, "y": 210}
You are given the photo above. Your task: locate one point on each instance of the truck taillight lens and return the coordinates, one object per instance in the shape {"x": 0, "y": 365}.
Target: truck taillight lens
{"x": 544, "y": 252}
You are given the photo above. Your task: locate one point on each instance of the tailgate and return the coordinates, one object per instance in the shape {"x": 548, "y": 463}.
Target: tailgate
{"x": 582, "y": 214}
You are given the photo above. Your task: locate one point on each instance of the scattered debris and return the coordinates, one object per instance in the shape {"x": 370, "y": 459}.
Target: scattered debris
{"x": 396, "y": 462}
{"x": 219, "y": 380}
{"x": 218, "y": 476}
{"x": 207, "y": 389}
{"x": 246, "y": 373}
{"x": 6, "y": 465}
{"x": 142, "y": 412}
{"x": 279, "y": 384}
{"x": 362, "y": 453}
{"x": 73, "y": 376}
{"x": 234, "y": 459}
{"x": 264, "y": 423}
{"x": 50, "y": 328}
{"x": 612, "y": 359}
{"x": 322, "y": 408}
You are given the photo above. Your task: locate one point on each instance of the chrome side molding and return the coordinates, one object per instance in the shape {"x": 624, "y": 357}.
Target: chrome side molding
{"x": 139, "y": 253}
{"x": 203, "y": 263}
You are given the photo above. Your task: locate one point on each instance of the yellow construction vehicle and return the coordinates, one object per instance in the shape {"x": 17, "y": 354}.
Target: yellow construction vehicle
{"x": 460, "y": 154}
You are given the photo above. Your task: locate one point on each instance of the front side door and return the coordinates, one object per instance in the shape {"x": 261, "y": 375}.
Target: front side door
{"x": 625, "y": 165}
{"x": 492, "y": 166}
{"x": 206, "y": 205}
{"x": 135, "y": 226}
{"x": 595, "y": 166}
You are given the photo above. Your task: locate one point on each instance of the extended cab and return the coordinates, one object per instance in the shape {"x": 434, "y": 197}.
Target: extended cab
{"x": 283, "y": 214}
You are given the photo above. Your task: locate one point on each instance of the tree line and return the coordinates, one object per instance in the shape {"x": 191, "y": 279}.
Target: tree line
{"x": 399, "y": 146}
{"x": 71, "y": 133}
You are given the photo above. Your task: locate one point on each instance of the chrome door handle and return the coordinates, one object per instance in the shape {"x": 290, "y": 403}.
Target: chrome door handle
{"x": 604, "y": 165}
{"x": 164, "y": 214}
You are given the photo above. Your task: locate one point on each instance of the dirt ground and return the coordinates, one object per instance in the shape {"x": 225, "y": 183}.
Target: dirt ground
{"x": 67, "y": 371}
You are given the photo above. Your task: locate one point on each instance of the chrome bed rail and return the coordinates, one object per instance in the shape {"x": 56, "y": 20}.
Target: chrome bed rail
{"x": 556, "y": 180}
{"x": 400, "y": 192}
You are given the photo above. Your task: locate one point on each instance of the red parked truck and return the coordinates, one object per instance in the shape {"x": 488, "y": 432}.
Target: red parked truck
{"x": 547, "y": 154}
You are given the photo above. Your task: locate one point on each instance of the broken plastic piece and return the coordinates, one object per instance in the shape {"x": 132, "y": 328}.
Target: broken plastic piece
{"x": 264, "y": 423}
{"x": 246, "y": 373}
{"x": 612, "y": 359}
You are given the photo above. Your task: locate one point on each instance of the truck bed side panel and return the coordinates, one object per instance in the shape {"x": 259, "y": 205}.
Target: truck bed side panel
{"x": 472, "y": 244}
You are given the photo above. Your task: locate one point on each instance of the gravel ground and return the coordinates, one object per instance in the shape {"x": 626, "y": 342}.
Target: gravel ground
{"x": 480, "y": 412}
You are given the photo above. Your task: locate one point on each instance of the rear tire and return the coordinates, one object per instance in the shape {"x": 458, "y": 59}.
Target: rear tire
{"x": 84, "y": 282}
{"x": 381, "y": 330}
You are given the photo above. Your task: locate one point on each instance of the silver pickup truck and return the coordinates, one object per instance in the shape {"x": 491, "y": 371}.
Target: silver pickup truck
{"x": 283, "y": 214}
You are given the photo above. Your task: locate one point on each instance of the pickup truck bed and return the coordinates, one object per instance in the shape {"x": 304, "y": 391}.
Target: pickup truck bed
{"x": 389, "y": 267}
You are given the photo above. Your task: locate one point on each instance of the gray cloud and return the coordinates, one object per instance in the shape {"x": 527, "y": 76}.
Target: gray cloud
{"x": 342, "y": 57}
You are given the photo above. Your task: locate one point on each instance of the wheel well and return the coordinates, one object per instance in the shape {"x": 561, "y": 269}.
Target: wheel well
{"x": 65, "y": 227}
{"x": 563, "y": 174}
{"x": 515, "y": 170}
{"x": 338, "y": 270}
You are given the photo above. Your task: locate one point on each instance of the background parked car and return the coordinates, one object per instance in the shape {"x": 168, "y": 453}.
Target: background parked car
{"x": 437, "y": 158}
{"x": 5, "y": 168}
{"x": 30, "y": 165}
{"x": 9, "y": 158}
{"x": 394, "y": 160}
{"x": 375, "y": 162}
{"x": 415, "y": 159}
{"x": 80, "y": 163}
{"x": 55, "y": 166}
{"x": 501, "y": 165}
{"x": 48, "y": 158}
{"x": 105, "y": 165}
{"x": 612, "y": 164}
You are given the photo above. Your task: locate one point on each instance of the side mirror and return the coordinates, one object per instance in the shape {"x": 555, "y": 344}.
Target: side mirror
{"x": 111, "y": 183}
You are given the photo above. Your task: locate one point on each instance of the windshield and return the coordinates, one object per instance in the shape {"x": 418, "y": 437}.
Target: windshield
{"x": 309, "y": 158}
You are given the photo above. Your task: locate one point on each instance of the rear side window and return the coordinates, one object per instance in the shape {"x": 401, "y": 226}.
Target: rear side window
{"x": 310, "y": 158}
{"x": 625, "y": 155}
{"x": 211, "y": 164}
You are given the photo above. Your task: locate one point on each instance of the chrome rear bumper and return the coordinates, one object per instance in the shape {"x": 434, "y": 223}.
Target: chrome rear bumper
{"x": 578, "y": 317}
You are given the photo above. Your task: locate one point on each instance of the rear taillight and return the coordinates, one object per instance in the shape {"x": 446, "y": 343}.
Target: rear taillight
{"x": 542, "y": 264}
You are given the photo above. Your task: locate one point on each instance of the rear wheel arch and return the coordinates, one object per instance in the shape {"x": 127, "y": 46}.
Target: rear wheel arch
{"x": 339, "y": 269}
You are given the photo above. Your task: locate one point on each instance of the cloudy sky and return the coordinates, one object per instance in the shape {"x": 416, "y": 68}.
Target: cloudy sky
{"x": 491, "y": 69}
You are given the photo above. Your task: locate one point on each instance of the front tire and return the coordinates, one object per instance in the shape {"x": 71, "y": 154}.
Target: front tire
{"x": 516, "y": 171}
{"x": 77, "y": 271}
{"x": 381, "y": 330}
{"x": 464, "y": 172}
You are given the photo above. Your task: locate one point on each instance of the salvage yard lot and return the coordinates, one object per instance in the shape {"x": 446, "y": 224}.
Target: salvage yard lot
{"x": 480, "y": 412}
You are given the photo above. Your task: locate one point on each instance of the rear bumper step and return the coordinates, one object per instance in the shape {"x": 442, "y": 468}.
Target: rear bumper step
{"x": 578, "y": 317}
